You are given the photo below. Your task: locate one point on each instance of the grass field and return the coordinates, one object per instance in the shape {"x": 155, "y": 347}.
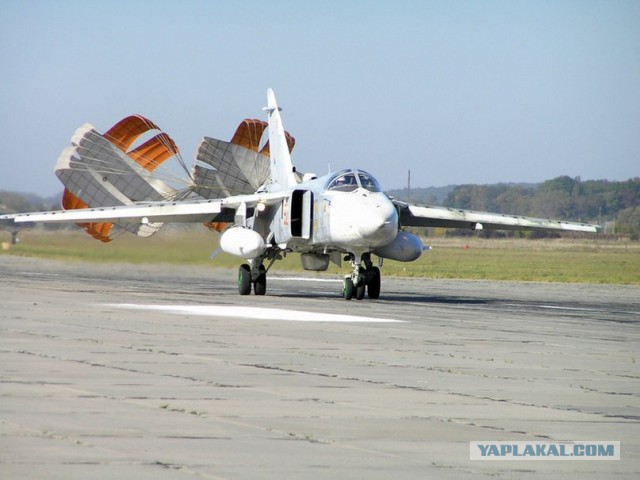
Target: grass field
{"x": 558, "y": 260}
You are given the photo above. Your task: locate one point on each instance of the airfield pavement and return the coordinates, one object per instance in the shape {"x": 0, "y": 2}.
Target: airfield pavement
{"x": 160, "y": 372}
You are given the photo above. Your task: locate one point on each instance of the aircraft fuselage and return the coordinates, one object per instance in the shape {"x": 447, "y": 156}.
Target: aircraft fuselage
{"x": 346, "y": 211}
{"x": 356, "y": 219}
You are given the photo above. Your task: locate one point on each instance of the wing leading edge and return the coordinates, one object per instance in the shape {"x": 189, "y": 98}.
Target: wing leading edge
{"x": 428, "y": 216}
{"x": 215, "y": 210}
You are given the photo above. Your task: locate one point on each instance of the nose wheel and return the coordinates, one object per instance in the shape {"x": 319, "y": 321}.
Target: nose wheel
{"x": 348, "y": 289}
{"x": 363, "y": 278}
{"x": 373, "y": 287}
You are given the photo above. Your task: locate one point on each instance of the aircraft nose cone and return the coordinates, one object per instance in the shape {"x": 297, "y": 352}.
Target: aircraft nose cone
{"x": 380, "y": 225}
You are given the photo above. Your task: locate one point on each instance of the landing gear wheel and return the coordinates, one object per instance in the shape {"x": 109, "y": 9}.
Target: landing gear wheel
{"x": 361, "y": 283}
{"x": 373, "y": 287}
{"x": 244, "y": 279}
{"x": 260, "y": 287}
{"x": 347, "y": 288}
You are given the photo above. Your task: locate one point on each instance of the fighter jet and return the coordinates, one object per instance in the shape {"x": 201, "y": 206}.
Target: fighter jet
{"x": 263, "y": 207}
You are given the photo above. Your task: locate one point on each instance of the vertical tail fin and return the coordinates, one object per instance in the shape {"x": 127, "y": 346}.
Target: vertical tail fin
{"x": 281, "y": 167}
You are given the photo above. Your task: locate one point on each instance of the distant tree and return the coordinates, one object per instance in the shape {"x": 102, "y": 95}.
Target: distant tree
{"x": 563, "y": 184}
{"x": 516, "y": 200}
{"x": 552, "y": 204}
{"x": 460, "y": 197}
{"x": 15, "y": 202}
{"x": 628, "y": 222}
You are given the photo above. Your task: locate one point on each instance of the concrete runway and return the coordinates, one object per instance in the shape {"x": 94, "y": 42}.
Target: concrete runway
{"x": 119, "y": 371}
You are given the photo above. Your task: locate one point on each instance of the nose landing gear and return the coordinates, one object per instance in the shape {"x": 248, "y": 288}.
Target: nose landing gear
{"x": 362, "y": 278}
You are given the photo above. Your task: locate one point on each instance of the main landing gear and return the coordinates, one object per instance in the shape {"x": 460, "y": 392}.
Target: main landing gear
{"x": 362, "y": 278}
{"x": 255, "y": 274}
{"x": 245, "y": 280}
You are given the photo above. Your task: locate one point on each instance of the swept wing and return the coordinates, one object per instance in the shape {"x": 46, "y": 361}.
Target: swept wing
{"x": 432, "y": 216}
{"x": 214, "y": 210}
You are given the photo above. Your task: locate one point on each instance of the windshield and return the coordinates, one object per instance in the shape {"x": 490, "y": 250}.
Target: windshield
{"x": 368, "y": 182}
{"x": 343, "y": 182}
{"x": 350, "y": 180}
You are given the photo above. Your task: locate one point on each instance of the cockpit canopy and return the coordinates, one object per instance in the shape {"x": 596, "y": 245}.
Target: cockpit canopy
{"x": 350, "y": 180}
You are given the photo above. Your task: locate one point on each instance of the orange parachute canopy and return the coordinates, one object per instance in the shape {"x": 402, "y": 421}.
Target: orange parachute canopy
{"x": 99, "y": 231}
{"x": 150, "y": 154}
{"x": 249, "y": 133}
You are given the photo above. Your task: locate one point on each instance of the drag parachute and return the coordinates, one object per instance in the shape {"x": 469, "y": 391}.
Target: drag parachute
{"x": 238, "y": 167}
{"x": 135, "y": 161}
{"x": 115, "y": 168}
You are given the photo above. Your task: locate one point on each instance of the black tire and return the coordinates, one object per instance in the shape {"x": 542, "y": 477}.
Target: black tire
{"x": 260, "y": 287}
{"x": 362, "y": 283}
{"x": 347, "y": 288}
{"x": 244, "y": 279}
{"x": 373, "y": 287}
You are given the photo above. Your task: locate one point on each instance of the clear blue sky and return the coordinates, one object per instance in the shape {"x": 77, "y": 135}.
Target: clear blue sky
{"x": 456, "y": 91}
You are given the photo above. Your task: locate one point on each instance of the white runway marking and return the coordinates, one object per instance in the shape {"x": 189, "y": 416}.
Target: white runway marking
{"x": 254, "y": 313}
